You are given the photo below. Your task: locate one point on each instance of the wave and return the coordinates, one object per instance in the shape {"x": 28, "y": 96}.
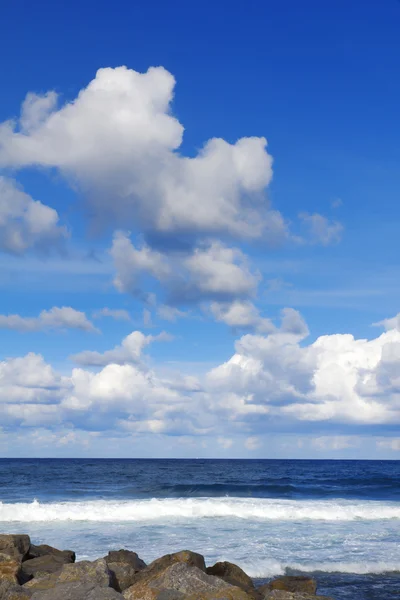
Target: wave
{"x": 198, "y": 508}
{"x": 262, "y": 569}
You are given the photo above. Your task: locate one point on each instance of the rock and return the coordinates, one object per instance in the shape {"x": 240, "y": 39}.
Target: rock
{"x": 160, "y": 564}
{"x": 289, "y": 583}
{"x": 15, "y": 546}
{"x": 11, "y": 591}
{"x": 191, "y": 582}
{"x": 123, "y": 575}
{"x": 124, "y": 564}
{"x": 42, "y": 565}
{"x": 126, "y": 556}
{"x": 10, "y": 570}
{"x": 283, "y": 595}
{"x": 91, "y": 574}
{"x": 44, "y": 550}
{"x": 76, "y": 590}
{"x": 232, "y": 574}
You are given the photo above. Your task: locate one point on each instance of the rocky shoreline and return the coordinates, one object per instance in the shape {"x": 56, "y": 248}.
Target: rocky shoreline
{"x": 30, "y": 572}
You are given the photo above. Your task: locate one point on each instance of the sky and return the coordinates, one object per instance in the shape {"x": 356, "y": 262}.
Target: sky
{"x": 199, "y": 217}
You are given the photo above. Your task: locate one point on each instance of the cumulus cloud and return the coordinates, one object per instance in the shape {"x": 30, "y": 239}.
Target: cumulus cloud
{"x": 273, "y": 382}
{"x": 210, "y": 271}
{"x": 392, "y": 323}
{"x": 128, "y": 352}
{"x": 61, "y": 318}
{"x": 26, "y": 223}
{"x": 241, "y": 315}
{"x": 321, "y": 229}
{"x": 119, "y": 314}
{"x": 118, "y": 141}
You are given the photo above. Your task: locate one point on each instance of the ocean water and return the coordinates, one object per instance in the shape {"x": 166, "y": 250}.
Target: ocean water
{"x": 337, "y": 520}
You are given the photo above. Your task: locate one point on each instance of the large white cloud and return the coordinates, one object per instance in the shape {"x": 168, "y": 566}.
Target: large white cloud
{"x": 272, "y": 383}
{"x": 26, "y": 223}
{"x": 118, "y": 141}
{"x": 62, "y": 318}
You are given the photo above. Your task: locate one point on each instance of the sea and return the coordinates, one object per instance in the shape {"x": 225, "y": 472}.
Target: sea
{"x": 336, "y": 520}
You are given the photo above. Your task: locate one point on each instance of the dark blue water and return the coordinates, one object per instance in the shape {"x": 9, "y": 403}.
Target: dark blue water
{"x": 337, "y": 519}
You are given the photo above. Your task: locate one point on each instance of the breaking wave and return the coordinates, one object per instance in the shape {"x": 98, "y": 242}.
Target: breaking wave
{"x": 198, "y": 508}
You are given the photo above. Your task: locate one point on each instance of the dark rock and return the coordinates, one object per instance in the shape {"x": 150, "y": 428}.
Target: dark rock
{"x": 282, "y": 595}
{"x": 232, "y": 574}
{"x": 123, "y": 575}
{"x": 43, "y": 564}
{"x": 94, "y": 574}
{"x": 74, "y": 590}
{"x": 190, "y": 581}
{"x": 126, "y": 556}
{"x": 15, "y": 546}
{"x": 288, "y": 583}
{"x": 44, "y": 550}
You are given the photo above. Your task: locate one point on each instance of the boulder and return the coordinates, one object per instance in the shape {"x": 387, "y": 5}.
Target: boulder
{"x": 12, "y": 591}
{"x": 124, "y": 564}
{"x": 232, "y": 574}
{"x": 44, "y": 550}
{"x": 160, "y": 564}
{"x": 125, "y": 556}
{"x": 90, "y": 574}
{"x": 291, "y": 583}
{"x": 42, "y": 565}
{"x": 76, "y": 590}
{"x": 282, "y": 595}
{"x": 191, "y": 582}
{"x": 15, "y": 546}
{"x": 10, "y": 570}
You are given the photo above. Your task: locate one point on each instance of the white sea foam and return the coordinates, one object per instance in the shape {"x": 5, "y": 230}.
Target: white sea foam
{"x": 199, "y": 508}
{"x": 271, "y": 568}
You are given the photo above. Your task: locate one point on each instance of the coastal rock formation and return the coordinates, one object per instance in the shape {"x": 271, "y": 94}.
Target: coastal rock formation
{"x": 304, "y": 585}
{"x": 124, "y": 565}
{"x": 15, "y": 546}
{"x": 29, "y": 572}
{"x": 191, "y": 582}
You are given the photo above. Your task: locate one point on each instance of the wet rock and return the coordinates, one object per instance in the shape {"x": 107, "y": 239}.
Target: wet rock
{"x": 232, "y": 574}
{"x": 191, "y": 582}
{"x": 10, "y": 570}
{"x": 288, "y": 583}
{"x": 45, "y": 550}
{"x": 15, "y": 546}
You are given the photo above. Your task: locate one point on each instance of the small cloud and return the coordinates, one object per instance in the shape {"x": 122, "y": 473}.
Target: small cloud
{"x": 338, "y": 442}
{"x": 225, "y": 443}
{"x": 147, "y": 320}
{"x": 117, "y": 314}
{"x": 321, "y": 230}
{"x": 252, "y": 443}
{"x": 60, "y": 318}
{"x": 388, "y": 324}
{"x": 390, "y": 444}
{"x": 337, "y": 203}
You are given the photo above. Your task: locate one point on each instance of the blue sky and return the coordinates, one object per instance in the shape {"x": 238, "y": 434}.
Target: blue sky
{"x": 199, "y": 229}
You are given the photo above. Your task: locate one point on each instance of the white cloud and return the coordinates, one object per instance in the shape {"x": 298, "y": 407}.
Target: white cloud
{"x": 392, "y": 323}
{"x": 170, "y": 313}
{"x": 321, "y": 230}
{"x": 334, "y": 442}
{"x": 127, "y": 353}
{"x": 119, "y": 314}
{"x": 26, "y": 223}
{"x": 391, "y": 444}
{"x": 252, "y": 443}
{"x": 28, "y": 379}
{"x": 225, "y": 443}
{"x": 212, "y": 270}
{"x": 118, "y": 141}
{"x": 63, "y": 317}
{"x": 241, "y": 314}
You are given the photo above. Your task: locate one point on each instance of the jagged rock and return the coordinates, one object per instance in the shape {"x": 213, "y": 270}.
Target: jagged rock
{"x": 124, "y": 564}
{"x": 190, "y": 581}
{"x": 92, "y": 574}
{"x": 45, "y": 550}
{"x": 232, "y": 574}
{"x": 126, "y": 556}
{"x": 42, "y": 565}
{"x": 10, "y": 570}
{"x": 159, "y": 565}
{"x": 15, "y": 546}
{"x": 291, "y": 583}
